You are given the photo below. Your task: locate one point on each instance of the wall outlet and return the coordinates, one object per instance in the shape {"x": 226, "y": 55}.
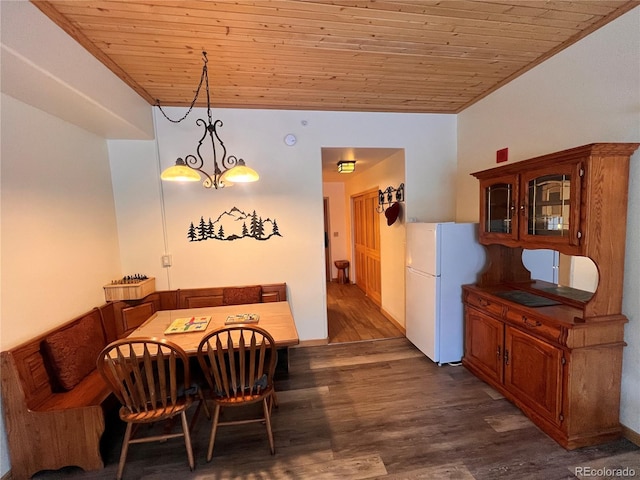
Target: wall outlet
{"x": 166, "y": 260}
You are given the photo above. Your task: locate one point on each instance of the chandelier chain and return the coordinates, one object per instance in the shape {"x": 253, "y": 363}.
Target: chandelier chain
{"x": 195, "y": 98}
{"x": 205, "y": 74}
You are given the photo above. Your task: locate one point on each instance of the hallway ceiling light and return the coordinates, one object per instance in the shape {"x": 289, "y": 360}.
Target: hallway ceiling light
{"x": 346, "y": 166}
{"x": 230, "y": 169}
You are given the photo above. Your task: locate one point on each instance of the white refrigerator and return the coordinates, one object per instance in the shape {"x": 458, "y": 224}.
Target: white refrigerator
{"x": 441, "y": 257}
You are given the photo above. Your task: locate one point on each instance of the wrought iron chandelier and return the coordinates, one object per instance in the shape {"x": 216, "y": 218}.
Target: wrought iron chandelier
{"x": 230, "y": 170}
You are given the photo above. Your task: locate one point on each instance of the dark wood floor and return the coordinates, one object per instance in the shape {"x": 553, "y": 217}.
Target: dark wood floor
{"x": 353, "y": 317}
{"x": 372, "y": 409}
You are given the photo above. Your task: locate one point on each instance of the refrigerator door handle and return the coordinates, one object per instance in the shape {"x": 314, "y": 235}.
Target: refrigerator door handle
{"x": 418, "y": 272}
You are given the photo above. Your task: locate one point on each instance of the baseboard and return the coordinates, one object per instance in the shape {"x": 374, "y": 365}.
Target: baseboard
{"x": 631, "y": 435}
{"x": 389, "y": 317}
{"x": 309, "y": 343}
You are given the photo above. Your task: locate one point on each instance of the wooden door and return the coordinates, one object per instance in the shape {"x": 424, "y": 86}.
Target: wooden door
{"x": 360, "y": 259}
{"x": 483, "y": 343}
{"x": 533, "y": 373}
{"x": 366, "y": 228}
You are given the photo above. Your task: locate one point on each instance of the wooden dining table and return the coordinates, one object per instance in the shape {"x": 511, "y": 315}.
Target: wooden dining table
{"x": 274, "y": 317}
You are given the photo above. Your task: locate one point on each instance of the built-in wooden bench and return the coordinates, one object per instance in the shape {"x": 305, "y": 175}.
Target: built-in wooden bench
{"x": 47, "y": 426}
{"x": 54, "y": 399}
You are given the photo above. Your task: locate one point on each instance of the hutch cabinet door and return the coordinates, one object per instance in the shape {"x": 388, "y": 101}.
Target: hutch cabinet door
{"x": 550, "y": 205}
{"x": 498, "y": 208}
{"x": 483, "y": 343}
{"x": 533, "y": 372}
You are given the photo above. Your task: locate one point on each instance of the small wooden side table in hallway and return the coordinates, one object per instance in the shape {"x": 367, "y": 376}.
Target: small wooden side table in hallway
{"x": 343, "y": 274}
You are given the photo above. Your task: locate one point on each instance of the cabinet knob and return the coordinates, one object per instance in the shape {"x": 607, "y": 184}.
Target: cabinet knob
{"x": 506, "y": 357}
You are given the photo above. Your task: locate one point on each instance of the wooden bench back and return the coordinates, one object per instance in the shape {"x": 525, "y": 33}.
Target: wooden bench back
{"x": 213, "y": 296}
{"x": 193, "y": 298}
{"x": 33, "y": 367}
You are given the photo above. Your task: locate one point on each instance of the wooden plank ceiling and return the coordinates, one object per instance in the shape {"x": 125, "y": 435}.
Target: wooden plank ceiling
{"x": 354, "y": 55}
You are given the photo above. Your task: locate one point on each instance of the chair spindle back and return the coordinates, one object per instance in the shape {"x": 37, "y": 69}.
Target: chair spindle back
{"x": 238, "y": 362}
{"x": 145, "y": 374}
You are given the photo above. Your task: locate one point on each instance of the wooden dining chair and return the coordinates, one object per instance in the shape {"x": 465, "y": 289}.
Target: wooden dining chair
{"x": 239, "y": 363}
{"x": 151, "y": 379}
{"x": 133, "y": 317}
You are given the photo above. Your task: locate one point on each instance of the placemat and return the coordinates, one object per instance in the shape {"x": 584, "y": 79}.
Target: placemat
{"x": 527, "y": 299}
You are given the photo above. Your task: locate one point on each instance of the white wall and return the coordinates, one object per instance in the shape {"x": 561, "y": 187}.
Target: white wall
{"x": 59, "y": 241}
{"x": 430, "y": 169}
{"x": 138, "y": 200}
{"x": 588, "y": 93}
{"x": 290, "y": 189}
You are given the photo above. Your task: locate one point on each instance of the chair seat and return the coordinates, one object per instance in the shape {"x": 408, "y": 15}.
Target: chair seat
{"x": 154, "y": 415}
{"x": 225, "y": 401}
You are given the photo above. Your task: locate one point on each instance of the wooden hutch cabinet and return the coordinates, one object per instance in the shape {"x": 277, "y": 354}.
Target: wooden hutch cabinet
{"x": 554, "y": 351}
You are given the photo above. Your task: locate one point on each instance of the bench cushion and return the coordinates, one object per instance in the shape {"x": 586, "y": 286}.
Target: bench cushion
{"x": 241, "y": 295}
{"x": 73, "y": 351}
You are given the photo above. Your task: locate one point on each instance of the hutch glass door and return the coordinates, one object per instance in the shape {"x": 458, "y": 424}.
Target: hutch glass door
{"x": 499, "y": 201}
{"x": 549, "y": 202}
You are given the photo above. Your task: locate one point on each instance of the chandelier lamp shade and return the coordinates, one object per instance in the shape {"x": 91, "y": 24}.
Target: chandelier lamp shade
{"x": 180, "y": 172}
{"x": 346, "y": 166}
{"x": 227, "y": 169}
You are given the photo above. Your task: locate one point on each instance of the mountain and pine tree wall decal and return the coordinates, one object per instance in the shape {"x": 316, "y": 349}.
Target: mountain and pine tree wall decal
{"x": 233, "y": 225}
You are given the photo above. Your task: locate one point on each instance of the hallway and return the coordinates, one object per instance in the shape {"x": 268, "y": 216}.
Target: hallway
{"x": 353, "y": 317}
